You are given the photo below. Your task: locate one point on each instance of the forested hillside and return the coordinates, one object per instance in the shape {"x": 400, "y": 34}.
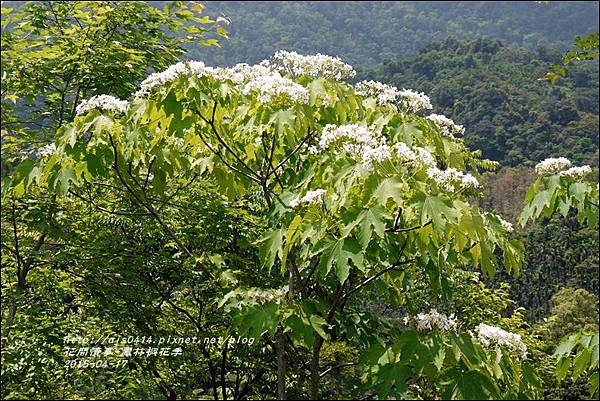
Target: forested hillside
{"x": 366, "y": 33}
{"x": 494, "y": 91}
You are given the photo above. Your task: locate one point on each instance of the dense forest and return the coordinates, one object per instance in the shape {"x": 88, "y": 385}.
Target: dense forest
{"x": 414, "y": 219}
{"x": 493, "y": 90}
{"x": 366, "y": 33}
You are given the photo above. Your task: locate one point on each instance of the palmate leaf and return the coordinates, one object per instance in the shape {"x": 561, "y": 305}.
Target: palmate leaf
{"x": 339, "y": 252}
{"x": 367, "y": 220}
{"x": 473, "y": 385}
{"x": 256, "y": 321}
{"x": 383, "y": 189}
{"x": 270, "y": 246}
{"x": 291, "y": 235}
{"x": 438, "y": 210}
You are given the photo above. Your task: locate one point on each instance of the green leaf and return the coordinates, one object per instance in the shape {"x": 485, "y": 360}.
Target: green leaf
{"x": 593, "y": 384}
{"x": 270, "y": 248}
{"x": 339, "y": 253}
{"x": 437, "y": 209}
{"x": 581, "y": 362}
{"x": 317, "y": 323}
{"x": 291, "y": 235}
{"x": 367, "y": 220}
{"x": 383, "y": 189}
{"x": 562, "y": 368}
{"x": 473, "y": 385}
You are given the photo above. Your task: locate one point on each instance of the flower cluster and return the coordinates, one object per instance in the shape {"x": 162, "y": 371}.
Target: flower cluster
{"x": 183, "y": 68}
{"x": 275, "y": 87}
{"x": 494, "y": 336}
{"x": 433, "y": 320}
{"x": 46, "y": 150}
{"x": 412, "y": 101}
{"x": 577, "y": 173}
{"x": 311, "y": 198}
{"x": 506, "y": 225}
{"x": 318, "y": 65}
{"x": 383, "y": 93}
{"x": 239, "y": 73}
{"x": 354, "y": 137}
{"x": 263, "y": 297}
{"x": 552, "y": 166}
{"x": 418, "y": 155}
{"x": 447, "y": 127}
{"x": 376, "y": 154}
{"x": 176, "y": 142}
{"x": 450, "y": 178}
{"x": 405, "y": 99}
{"x": 102, "y": 102}
{"x": 358, "y": 141}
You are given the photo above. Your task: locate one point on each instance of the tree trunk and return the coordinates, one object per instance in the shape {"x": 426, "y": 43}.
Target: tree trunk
{"x": 281, "y": 365}
{"x": 315, "y": 371}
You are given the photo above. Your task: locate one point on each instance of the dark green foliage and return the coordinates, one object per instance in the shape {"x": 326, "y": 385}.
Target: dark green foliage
{"x": 572, "y": 310}
{"x": 495, "y": 93}
{"x": 365, "y": 33}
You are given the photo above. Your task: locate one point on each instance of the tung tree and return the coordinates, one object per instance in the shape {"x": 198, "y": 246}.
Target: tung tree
{"x": 361, "y": 191}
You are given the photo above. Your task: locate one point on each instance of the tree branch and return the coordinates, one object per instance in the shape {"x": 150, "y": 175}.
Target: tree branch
{"x": 211, "y": 123}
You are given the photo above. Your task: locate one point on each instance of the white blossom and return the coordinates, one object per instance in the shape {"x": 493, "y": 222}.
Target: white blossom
{"x": 448, "y": 179}
{"x": 506, "y": 225}
{"x": 102, "y": 102}
{"x": 552, "y": 166}
{"x": 425, "y": 157}
{"x": 433, "y": 320}
{"x": 383, "y": 93}
{"x": 576, "y": 173}
{"x": 175, "y": 71}
{"x": 354, "y": 137}
{"x": 239, "y": 73}
{"x": 362, "y": 143}
{"x": 490, "y": 336}
{"x": 404, "y": 153}
{"x": 378, "y": 154}
{"x": 46, "y": 150}
{"x": 405, "y": 99}
{"x": 447, "y": 127}
{"x": 418, "y": 155}
{"x": 413, "y": 101}
{"x": 318, "y": 65}
{"x": 264, "y": 296}
{"x": 177, "y": 142}
{"x": 275, "y": 87}
{"x": 311, "y": 198}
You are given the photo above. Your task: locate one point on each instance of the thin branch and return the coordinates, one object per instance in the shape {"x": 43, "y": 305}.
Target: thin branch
{"x": 343, "y": 365}
{"x": 16, "y": 237}
{"x": 181, "y": 188}
{"x": 211, "y": 123}
{"x": 403, "y": 230}
{"x": 314, "y": 263}
{"x": 225, "y": 161}
{"x": 394, "y": 266}
{"x": 285, "y": 159}
{"x": 148, "y": 173}
{"x": 115, "y": 212}
{"x": 376, "y": 276}
{"x": 148, "y": 206}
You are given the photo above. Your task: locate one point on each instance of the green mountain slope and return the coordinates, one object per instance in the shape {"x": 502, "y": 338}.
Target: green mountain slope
{"x": 365, "y": 33}
{"x": 494, "y": 92}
